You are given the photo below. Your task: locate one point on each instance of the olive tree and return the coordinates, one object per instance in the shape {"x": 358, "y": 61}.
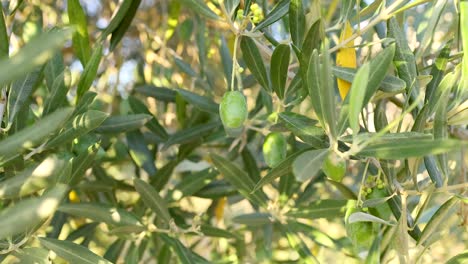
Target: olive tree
{"x": 233, "y": 131}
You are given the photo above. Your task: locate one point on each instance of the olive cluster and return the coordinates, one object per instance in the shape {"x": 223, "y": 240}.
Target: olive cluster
{"x": 372, "y": 182}
{"x": 255, "y": 14}
{"x": 375, "y": 188}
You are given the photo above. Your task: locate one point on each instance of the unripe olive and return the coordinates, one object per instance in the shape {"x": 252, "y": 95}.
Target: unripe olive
{"x": 361, "y": 234}
{"x": 334, "y": 167}
{"x": 274, "y": 149}
{"x": 233, "y": 110}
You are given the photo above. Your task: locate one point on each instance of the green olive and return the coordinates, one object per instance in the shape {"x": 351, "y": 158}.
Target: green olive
{"x": 334, "y": 167}
{"x": 274, "y": 148}
{"x": 361, "y": 234}
{"x": 233, "y": 110}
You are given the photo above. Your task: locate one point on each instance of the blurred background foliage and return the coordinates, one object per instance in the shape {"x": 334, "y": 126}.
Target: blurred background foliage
{"x": 144, "y": 184}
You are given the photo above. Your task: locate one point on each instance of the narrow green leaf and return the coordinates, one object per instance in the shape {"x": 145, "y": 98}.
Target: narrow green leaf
{"x": 185, "y": 255}
{"x": 28, "y": 213}
{"x": 433, "y": 170}
{"x": 212, "y": 231}
{"x": 53, "y": 69}
{"x": 81, "y": 163}
{"x": 464, "y": 34}
{"x": 253, "y": 219}
{"x": 296, "y": 87}
{"x": 458, "y": 259}
{"x": 278, "y": 12}
{"x": 139, "y": 108}
{"x": 313, "y": 233}
{"x": 405, "y": 148}
{"x": 327, "y": 93}
{"x": 364, "y": 217}
{"x": 33, "y": 135}
{"x": 140, "y": 153}
{"x": 367, "y": 12}
{"x": 123, "y": 123}
{"x": 117, "y": 18}
{"x": 250, "y": 164}
{"x": 346, "y": 9}
{"x": 192, "y": 133}
{"x": 58, "y": 93}
{"x": 80, "y": 38}
{"x": 84, "y": 231}
{"x": 159, "y": 93}
{"x": 83, "y": 105}
{"x": 124, "y": 24}
{"x": 132, "y": 254}
{"x": 165, "y": 254}
{"x": 437, "y": 71}
{"x": 185, "y": 67}
{"x": 308, "y": 164}
{"x": 89, "y": 73}
{"x": 379, "y": 66}
{"x": 404, "y": 59}
{"x": 4, "y": 40}
{"x": 20, "y": 92}
{"x": 279, "y": 69}
{"x": 299, "y": 245}
{"x": 312, "y": 79}
{"x": 35, "y": 53}
{"x": 387, "y": 138}
{"x": 153, "y": 200}
{"x": 357, "y": 95}
{"x": 439, "y": 99}
{"x": 201, "y": 8}
{"x": 390, "y": 84}
{"x": 231, "y": 6}
{"x": 430, "y": 27}
{"x": 114, "y": 250}
{"x": 201, "y": 102}
{"x": 282, "y": 169}
{"x": 441, "y": 114}
{"x": 216, "y": 189}
{"x": 80, "y": 125}
{"x": 33, "y": 178}
{"x": 200, "y": 38}
{"x": 194, "y": 182}
{"x": 253, "y": 60}
{"x": 226, "y": 59}
{"x": 437, "y": 219}
{"x": 311, "y": 42}
{"x": 296, "y": 22}
{"x": 239, "y": 179}
{"x": 101, "y": 213}
{"x": 72, "y": 252}
{"x": 320, "y": 209}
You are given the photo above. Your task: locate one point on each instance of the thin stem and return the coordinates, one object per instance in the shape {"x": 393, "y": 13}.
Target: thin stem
{"x": 3, "y": 100}
{"x": 228, "y": 18}
{"x": 254, "y": 128}
{"x": 14, "y": 247}
{"x": 234, "y": 62}
{"x": 384, "y": 15}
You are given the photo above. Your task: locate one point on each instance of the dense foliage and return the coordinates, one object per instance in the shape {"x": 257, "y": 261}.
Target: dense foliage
{"x": 233, "y": 131}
